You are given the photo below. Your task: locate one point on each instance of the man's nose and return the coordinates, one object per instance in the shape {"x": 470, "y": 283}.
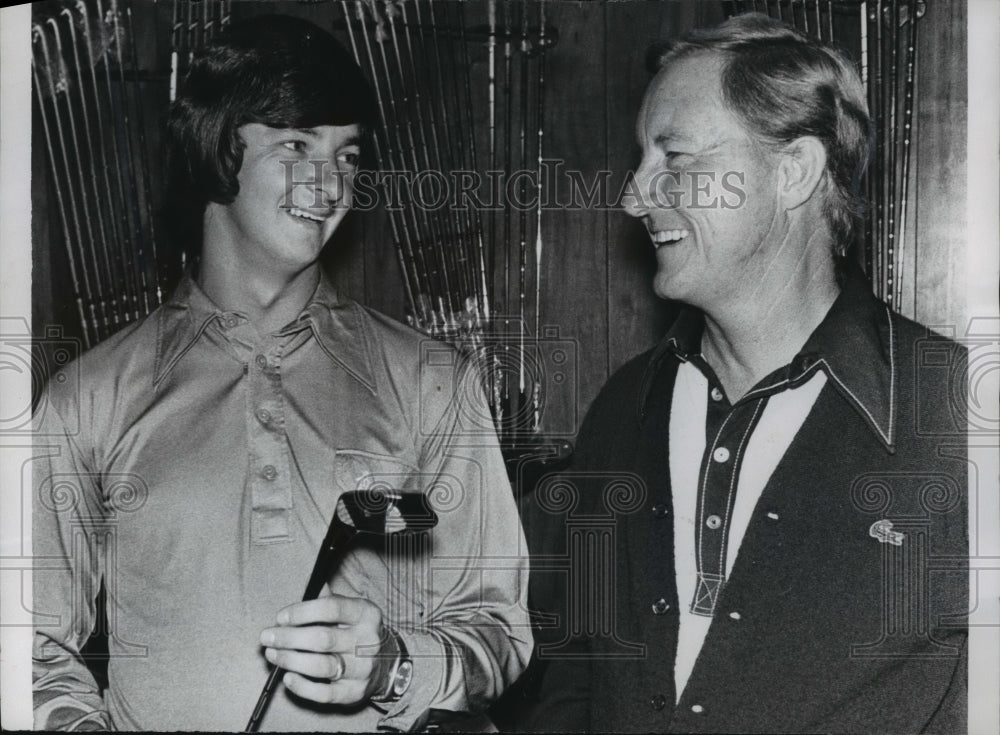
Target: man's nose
{"x": 332, "y": 183}
{"x": 635, "y": 200}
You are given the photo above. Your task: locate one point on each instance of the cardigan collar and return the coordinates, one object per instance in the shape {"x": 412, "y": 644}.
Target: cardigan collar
{"x": 853, "y": 345}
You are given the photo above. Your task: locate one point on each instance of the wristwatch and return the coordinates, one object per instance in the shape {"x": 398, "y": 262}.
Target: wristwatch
{"x": 400, "y": 675}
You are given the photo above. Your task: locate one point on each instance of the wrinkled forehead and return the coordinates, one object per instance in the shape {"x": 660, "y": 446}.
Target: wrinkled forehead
{"x": 685, "y": 99}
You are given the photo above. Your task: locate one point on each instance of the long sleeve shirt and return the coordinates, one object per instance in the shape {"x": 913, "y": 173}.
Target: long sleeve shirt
{"x": 193, "y": 465}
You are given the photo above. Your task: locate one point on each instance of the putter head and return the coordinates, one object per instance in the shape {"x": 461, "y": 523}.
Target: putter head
{"x": 382, "y": 512}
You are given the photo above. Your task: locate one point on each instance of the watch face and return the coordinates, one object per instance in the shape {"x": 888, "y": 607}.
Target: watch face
{"x": 403, "y": 676}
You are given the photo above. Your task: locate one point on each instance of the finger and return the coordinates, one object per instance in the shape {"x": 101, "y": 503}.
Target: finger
{"x": 345, "y": 691}
{"x": 326, "y": 666}
{"x": 317, "y": 638}
{"x": 332, "y": 609}
{"x": 335, "y": 665}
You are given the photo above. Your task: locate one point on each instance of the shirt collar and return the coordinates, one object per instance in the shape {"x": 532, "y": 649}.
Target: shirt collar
{"x": 854, "y": 345}
{"x": 338, "y": 326}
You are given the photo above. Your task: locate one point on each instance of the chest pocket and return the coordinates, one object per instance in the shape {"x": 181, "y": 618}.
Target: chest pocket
{"x": 356, "y": 469}
{"x": 393, "y": 572}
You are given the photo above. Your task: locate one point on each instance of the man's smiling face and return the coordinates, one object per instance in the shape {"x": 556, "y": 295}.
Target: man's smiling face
{"x": 295, "y": 187}
{"x": 705, "y": 188}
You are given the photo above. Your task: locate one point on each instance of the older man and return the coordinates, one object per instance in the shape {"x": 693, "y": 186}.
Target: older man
{"x": 791, "y": 558}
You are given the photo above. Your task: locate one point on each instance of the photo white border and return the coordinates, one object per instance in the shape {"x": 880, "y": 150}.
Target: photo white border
{"x": 982, "y": 279}
{"x": 15, "y": 379}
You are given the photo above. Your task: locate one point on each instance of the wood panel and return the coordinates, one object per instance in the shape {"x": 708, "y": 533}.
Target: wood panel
{"x": 575, "y": 268}
{"x": 940, "y": 159}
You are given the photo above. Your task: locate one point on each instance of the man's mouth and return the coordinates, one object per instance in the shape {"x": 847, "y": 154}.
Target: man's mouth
{"x": 296, "y": 212}
{"x": 667, "y": 236}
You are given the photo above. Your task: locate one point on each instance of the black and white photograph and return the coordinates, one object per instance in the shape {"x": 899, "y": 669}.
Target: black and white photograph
{"x": 500, "y": 366}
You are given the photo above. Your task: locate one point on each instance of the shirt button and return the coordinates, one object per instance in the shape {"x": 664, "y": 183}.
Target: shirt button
{"x": 660, "y": 607}
{"x": 230, "y": 322}
{"x": 658, "y": 702}
{"x": 721, "y": 455}
{"x": 261, "y": 361}
{"x": 713, "y": 522}
{"x": 264, "y": 416}
{"x": 269, "y": 472}
{"x": 660, "y": 510}
{"x": 697, "y": 709}
{"x": 716, "y": 394}
{"x": 735, "y": 615}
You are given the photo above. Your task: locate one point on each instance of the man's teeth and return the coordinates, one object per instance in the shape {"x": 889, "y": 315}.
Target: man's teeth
{"x": 307, "y": 215}
{"x": 665, "y": 236}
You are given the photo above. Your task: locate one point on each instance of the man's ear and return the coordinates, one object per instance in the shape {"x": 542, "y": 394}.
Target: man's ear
{"x": 800, "y": 169}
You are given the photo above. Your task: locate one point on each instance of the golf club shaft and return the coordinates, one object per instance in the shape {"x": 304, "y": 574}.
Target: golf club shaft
{"x": 337, "y": 538}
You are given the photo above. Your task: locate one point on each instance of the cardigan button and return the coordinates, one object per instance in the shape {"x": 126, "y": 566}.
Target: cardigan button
{"x": 697, "y": 709}
{"x": 658, "y": 702}
{"x": 660, "y": 510}
{"x": 660, "y": 607}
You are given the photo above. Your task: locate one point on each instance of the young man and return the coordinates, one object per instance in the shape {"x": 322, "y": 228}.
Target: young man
{"x": 196, "y": 466}
{"x": 792, "y": 558}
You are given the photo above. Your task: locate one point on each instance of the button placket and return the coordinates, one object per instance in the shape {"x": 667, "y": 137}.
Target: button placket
{"x": 727, "y": 431}
{"x": 270, "y": 469}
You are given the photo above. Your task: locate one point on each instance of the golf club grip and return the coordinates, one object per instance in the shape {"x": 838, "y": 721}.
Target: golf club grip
{"x": 337, "y": 537}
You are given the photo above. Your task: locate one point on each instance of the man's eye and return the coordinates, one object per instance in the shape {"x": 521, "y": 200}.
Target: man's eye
{"x": 295, "y": 145}
{"x": 351, "y": 158}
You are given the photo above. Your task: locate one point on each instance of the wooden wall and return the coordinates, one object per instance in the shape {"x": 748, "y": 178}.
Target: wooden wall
{"x": 935, "y": 292}
{"x": 598, "y": 264}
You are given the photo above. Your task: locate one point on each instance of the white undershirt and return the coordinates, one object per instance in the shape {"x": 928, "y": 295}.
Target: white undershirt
{"x": 783, "y": 416}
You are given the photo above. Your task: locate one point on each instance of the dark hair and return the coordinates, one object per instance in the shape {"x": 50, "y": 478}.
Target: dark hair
{"x": 275, "y": 70}
{"x": 784, "y": 85}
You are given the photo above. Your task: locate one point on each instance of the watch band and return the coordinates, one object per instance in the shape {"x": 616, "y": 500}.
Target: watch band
{"x": 400, "y": 675}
